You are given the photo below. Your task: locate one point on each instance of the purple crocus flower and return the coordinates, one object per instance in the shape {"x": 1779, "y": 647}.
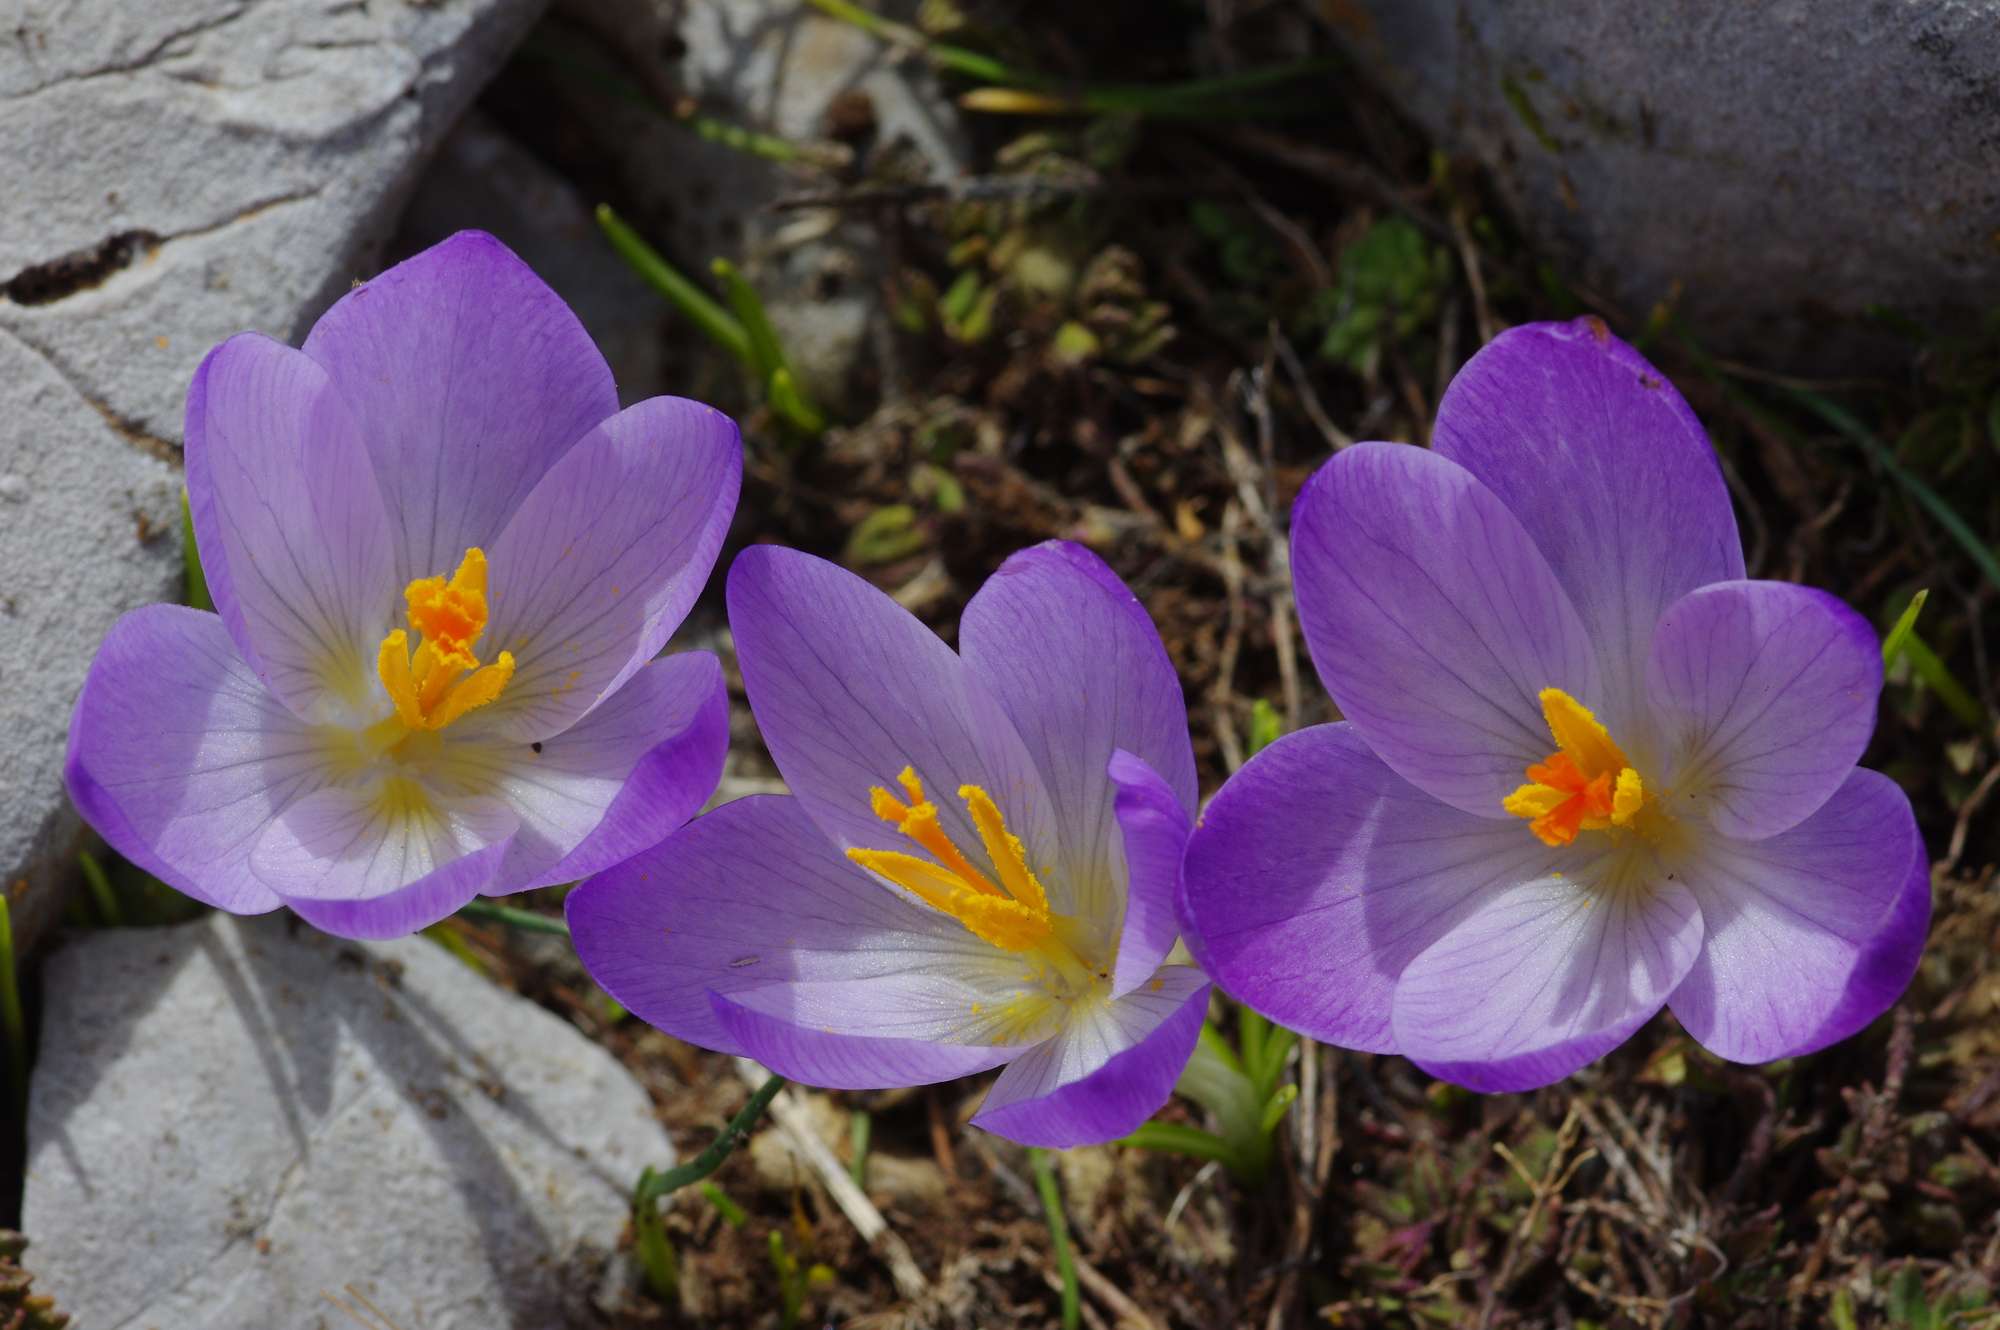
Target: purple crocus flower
{"x": 442, "y": 561}
{"x": 1587, "y": 768}
{"x": 976, "y": 864}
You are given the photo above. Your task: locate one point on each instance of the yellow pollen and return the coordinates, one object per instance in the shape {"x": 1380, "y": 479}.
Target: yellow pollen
{"x": 430, "y": 686}
{"x": 1585, "y": 785}
{"x": 1012, "y": 915}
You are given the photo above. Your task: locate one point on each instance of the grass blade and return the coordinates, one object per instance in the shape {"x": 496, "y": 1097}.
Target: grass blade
{"x": 197, "y": 580}
{"x": 12, "y": 1023}
{"x": 1939, "y": 679}
{"x": 715, "y": 322}
{"x": 100, "y": 889}
{"x": 1906, "y": 623}
{"x": 1180, "y": 1139}
{"x": 1927, "y": 498}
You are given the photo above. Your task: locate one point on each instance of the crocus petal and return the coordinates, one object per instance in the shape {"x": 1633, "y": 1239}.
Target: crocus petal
{"x": 469, "y": 377}
{"x": 1317, "y": 874}
{"x": 604, "y": 559}
{"x": 1543, "y": 977}
{"x": 1609, "y": 471}
{"x": 409, "y": 908}
{"x": 618, "y": 782}
{"x": 1155, "y": 826}
{"x": 1109, "y": 1070}
{"x": 849, "y": 1061}
{"x": 179, "y": 755}
{"x": 1811, "y": 933}
{"x": 382, "y": 856}
{"x": 848, "y": 688}
{"x": 1434, "y": 621}
{"x": 293, "y": 535}
{"x": 1765, "y": 693}
{"x": 750, "y": 897}
{"x": 1078, "y": 665}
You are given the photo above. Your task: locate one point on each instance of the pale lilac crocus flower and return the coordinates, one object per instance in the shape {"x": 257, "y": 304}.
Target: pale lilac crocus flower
{"x": 975, "y": 866}
{"x": 1587, "y": 768}
{"x": 443, "y": 562}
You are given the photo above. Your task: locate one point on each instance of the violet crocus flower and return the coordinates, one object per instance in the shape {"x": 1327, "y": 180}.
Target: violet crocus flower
{"x": 442, "y": 561}
{"x": 1587, "y": 769}
{"x": 976, "y": 864}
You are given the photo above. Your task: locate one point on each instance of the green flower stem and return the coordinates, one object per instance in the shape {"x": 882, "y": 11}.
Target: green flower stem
{"x": 1052, "y": 1206}
{"x": 525, "y": 920}
{"x": 654, "y": 1185}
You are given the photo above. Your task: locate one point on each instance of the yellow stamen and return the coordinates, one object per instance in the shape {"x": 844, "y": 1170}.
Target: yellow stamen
{"x": 1016, "y": 919}
{"x": 426, "y": 686}
{"x": 919, "y": 821}
{"x": 1579, "y": 733}
{"x": 1005, "y": 923}
{"x": 1585, "y": 785}
{"x": 1004, "y": 848}
{"x": 1628, "y": 798}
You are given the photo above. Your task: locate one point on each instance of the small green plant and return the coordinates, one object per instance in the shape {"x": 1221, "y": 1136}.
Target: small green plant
{"x": 1265, "y": 727}
{"x": 1241, "y": 1087}
{"x": 795, "y": 1281}
{"x": 1911, "y": 1307}
{"x": 1391, "y": 281}
{"x": 654, "y": 1250}
{"x": 732, "y": 1213}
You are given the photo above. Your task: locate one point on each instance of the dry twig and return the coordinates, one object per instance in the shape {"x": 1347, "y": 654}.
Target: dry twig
{"x": 884, "y": 1241}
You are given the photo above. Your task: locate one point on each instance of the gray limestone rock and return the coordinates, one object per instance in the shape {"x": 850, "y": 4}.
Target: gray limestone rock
{"x": 1783, "y": 165}
{"x": 89, "y": 528}
{"x": 241, "y": 1124}
{"x": 174, "y": 172}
